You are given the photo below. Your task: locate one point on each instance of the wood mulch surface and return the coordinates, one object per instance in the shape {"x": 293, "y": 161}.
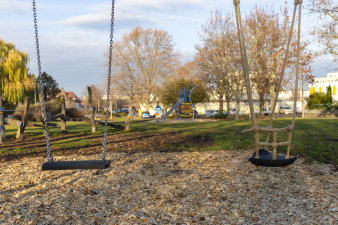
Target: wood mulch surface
{"x": 151, "y": 181}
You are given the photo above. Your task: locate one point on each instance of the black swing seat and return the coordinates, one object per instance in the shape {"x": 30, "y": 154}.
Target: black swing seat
{"x": 76, "y": 165}
{"x": 265, "y": 159}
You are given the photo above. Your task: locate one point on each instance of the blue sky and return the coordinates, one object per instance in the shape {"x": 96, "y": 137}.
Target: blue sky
{"x": 74, "y": 35}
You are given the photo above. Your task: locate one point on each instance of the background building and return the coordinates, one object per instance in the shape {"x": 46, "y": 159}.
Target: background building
{"x": 321, "y": 84}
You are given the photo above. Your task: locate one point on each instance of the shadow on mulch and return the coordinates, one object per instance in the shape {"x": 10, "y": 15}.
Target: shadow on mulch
{"x": 128, "y": 143}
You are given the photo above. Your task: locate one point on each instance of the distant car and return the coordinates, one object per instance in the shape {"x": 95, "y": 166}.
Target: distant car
{"x": 266, "y": 113}
{"x": 285, "y": 109}
{"x": 212, "y": 112}
{"x": 233, "y": 112}
{"x": 145, "y": 115}
{"x": 126, "y": 110}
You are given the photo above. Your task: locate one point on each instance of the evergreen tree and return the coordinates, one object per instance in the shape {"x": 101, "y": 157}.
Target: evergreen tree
{"x": 328, "y": 95}
{"x": 51, "y": 87}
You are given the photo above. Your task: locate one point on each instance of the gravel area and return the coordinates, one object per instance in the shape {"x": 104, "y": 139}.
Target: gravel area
{"x": 169, "y": 188}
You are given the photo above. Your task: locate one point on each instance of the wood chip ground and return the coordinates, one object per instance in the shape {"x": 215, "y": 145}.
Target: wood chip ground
{"x": 169, "y": 188}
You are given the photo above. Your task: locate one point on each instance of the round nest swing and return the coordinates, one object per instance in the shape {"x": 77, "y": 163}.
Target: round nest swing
{"x": 262, "y": 157}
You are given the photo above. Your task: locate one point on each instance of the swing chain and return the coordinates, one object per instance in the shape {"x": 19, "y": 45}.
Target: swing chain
{"x": 104, "y": 148}
{"x": 41, "y": 86}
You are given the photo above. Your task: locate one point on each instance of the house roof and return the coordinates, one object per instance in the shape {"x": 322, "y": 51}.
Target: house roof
{"x": 72, "y": 96}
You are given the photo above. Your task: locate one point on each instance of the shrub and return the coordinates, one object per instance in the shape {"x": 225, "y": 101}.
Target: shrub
{"x": 315, "y": 99}
{"x": 52, "y": 108}
{"x": 220, "y": 116}
{"x": 328, "y": 96}
{"x": 74, "y": 113}
{"x": 34, "y": 112}
{"x": 120, "y": 114}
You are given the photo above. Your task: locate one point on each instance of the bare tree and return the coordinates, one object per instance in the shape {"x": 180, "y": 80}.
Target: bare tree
{"x": 326, "y": 29}
{"x": 141, "y": 60}
{"x": 268, "y": 31}
{"x": 215, "y": 57}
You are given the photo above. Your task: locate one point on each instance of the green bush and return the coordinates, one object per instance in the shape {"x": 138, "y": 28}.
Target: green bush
{"x": 328, "y": 98}
{"x": 330, "y": 107}
{"x": 321, "y": 100}
{"x": 316, "y": 99}
{"x": 220, "y": 116}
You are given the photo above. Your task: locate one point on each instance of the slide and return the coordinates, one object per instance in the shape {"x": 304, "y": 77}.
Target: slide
{"x": 175, "y": 106}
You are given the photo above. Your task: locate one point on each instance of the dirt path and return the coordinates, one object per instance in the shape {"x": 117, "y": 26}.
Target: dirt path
{"x": 168, "y": 188}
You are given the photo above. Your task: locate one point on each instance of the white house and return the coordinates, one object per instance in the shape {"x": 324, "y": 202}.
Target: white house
{"x": 321, "y": 84}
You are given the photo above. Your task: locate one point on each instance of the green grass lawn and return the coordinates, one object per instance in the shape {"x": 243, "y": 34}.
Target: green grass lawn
{"x": 316, "y": 139}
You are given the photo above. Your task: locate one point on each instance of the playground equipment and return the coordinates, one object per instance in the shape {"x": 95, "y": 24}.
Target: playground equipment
{"x": 183, "y": 104}
{"x": 20, "y": 123}
{"x": 67, "y": 165}
{"x": 9, "y": 110}
{"x": 262, "y": 157}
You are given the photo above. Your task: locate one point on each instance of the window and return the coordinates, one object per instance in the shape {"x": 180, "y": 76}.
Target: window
{"x": 333, "y": 90}
{"x": 312, "y": 90}
{"x": 320, "y": 89}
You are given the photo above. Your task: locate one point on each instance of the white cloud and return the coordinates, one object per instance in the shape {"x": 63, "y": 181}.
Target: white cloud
{"x": 102, "y": 21}
{"x": 14, "y": 6}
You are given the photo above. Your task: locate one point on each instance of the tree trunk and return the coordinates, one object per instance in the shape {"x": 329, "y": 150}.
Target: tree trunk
{"x": 237, "y": 109}
{"x": 129, "y": 117}
{"x": 261, "y": 105}
{"x": 2, "y": 124}
{"x": 23, "y": 124}
{"x": 126, "y": 128}
{"x": 111, "y": 109}
{"x": 272, "y": 101}
{"x": 220, "y": 101}
{"x": 63, "y": 111}
{"x": 228, "y": 106}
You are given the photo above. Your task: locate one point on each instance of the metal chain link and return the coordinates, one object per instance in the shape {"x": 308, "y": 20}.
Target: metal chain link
{"x": 103, "y": 155}
{"x": 44, "y": 115}
{"x": 41, "y": 88}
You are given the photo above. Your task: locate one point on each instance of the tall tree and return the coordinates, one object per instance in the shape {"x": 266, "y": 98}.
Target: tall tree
{"x": 13, "y": 76}
{"x": 32, "y": 93}
{"x": 268, "y": 31}
{"x": 51, "y": 87}
{"x": 328, "y": 96}
{"x": 325, "y": 30}
{"x": 141, "y": 61}
{"x": 215, "y": 57}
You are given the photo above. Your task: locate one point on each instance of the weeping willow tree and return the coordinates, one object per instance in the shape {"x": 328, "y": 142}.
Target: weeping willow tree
{"x": 14, "y": 82}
